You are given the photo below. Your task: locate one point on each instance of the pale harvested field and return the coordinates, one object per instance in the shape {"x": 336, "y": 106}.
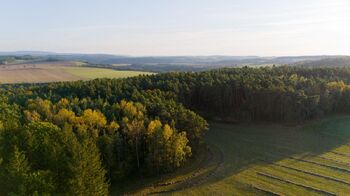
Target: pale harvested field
{"x": 56, "y": 71}
{"x": 36, "y": 75}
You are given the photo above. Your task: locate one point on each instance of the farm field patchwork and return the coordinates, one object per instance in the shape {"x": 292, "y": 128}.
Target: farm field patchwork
{"x": 57, "y": 71}
{"x": 309, "y": 159}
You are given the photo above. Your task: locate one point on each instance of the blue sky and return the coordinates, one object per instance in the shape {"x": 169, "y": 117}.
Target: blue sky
{"x": 177, "y": 27}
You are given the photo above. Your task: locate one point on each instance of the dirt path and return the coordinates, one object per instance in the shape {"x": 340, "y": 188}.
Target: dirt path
{"x": 210, "y": 167}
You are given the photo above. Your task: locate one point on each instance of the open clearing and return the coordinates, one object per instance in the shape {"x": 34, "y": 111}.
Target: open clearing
{"x": 57, "y": 71}
{"x": 312, "y": 159}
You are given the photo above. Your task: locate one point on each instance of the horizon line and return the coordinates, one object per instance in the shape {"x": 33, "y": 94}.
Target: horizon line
{"x": 27, "y": 52}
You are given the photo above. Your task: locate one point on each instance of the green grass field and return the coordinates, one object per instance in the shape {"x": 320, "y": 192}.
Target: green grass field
{"x": 92, "y": 73}
{"x": 310, "y": 159}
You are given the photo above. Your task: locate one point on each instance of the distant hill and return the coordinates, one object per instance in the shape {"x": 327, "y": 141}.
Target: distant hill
{"x": 7, "y": 60}
{"x": 188, "y": 60}
{"x": 24, "y": 53}
{"x": 341, "y": 61}
{"x": 205, "y": 61}
{"x": 184, "y": 63}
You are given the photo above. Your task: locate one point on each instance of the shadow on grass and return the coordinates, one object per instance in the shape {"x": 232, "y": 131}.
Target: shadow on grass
{"x": 235, "y": 148}
{"x": 245, "y": 146}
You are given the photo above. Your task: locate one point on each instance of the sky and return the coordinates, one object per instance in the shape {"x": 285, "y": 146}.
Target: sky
{"x": 177, "y": 27}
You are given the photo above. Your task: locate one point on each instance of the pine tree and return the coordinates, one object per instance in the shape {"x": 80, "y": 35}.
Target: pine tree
{"x": 17, "y": 178}
{"x": 88, "y": 175}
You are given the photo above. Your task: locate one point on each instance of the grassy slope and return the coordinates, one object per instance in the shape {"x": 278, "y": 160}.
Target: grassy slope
{"x": 92, "y": 73}
{"x": 313, "y": 159}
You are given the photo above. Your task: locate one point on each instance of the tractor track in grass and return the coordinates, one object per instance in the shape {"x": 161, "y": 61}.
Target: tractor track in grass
{"x": 198, "y": 178}
{"x": 268, "y": 192}
{"x": 207, "y": 158}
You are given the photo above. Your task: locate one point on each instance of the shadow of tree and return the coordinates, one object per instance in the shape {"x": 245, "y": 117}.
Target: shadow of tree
{"x": 245, "y": 146}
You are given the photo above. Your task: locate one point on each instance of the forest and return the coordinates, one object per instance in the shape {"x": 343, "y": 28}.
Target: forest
{"x": 79, "y": 138}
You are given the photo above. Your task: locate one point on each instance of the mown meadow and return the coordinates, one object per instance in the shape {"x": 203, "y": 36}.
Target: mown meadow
{"x": 308, "y": 155}
{"x": 269, "y": 159}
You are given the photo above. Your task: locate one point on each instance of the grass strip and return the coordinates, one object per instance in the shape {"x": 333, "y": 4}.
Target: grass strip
{"x": 341, "y": 154}
{"x": 294, "y": 183}
{"x": 312, "y": 174}
{"x": 335, "y": 161}
{"x": 323, "y": 165}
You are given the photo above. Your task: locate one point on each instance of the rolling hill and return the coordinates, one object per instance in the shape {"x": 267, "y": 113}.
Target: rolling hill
{"x": 341, "y": 61}
{"x": 182, "y": 63}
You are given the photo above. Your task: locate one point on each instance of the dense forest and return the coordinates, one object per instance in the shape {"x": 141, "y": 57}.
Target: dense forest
{"x": 339, "y": 61}
{"x": 77, "y": 138}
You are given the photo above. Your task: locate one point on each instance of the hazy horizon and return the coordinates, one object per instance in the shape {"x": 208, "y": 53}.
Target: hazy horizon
{"x": 30, "y": 52}
{"x": 177, "y": 28}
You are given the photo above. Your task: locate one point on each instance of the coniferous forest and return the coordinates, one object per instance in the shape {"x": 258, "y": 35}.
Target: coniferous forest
{"x": 79, "y": 138}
